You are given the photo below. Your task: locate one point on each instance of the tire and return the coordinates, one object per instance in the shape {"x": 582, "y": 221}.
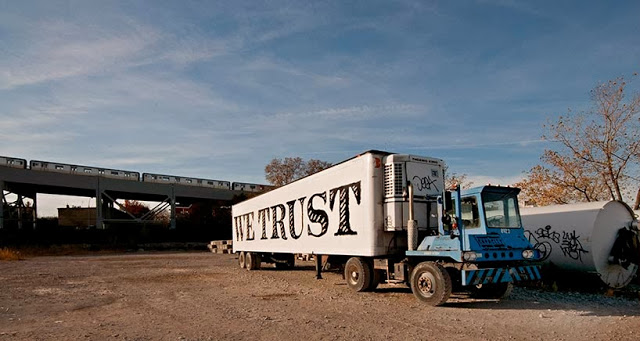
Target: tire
{"x": 358, "y": 274}
{"x": 492, "y": 291}
{"x": 376, "y": 279}
{"x": 241, "y": 259}
{"x": 431, "y": 283}
{"x": 290, "y": 262}
{"x": 252, "y": 261}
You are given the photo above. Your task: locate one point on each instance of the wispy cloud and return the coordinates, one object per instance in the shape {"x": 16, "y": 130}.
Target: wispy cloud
{"x": 218, "y": 89}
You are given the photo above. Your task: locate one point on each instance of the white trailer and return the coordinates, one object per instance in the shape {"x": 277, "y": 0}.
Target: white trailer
{"x": 367, "y": 214}
{"x": 339, "y": 211}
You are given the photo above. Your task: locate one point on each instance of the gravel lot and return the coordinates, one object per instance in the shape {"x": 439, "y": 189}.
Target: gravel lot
{"x": 205, "y": 296}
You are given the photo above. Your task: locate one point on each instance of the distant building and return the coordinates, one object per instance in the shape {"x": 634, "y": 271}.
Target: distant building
{"x": 184, "y": 211}
{"x": 84, "y": 217}
{"x": 77, "y": 216}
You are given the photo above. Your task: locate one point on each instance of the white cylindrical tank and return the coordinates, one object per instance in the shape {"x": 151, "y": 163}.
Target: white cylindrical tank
{"x": 581, "y": 237}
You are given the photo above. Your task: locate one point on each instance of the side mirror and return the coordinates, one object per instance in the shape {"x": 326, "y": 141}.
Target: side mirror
{"x": 448, "y": 202}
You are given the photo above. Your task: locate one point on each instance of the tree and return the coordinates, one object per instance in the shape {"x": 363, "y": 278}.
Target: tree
{"x": 453, "y": 179}
{"x": 596, "y": 150}
{"x": 314, "y": 166}
{"x": 544, "y": 186}
{"x": 281, "y": 172}
{"x": 136, "y": 208}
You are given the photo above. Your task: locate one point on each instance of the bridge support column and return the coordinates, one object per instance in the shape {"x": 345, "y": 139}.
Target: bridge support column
{"x": 99, "y": 213}
{"x": 2, "y": 204}
{"x": 173, "y": 208}
{"x": 20, "y": 207}
{"x": 35, "y": 209}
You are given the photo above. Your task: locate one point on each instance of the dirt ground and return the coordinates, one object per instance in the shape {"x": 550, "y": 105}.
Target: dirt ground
{"x": 205, "y": 296}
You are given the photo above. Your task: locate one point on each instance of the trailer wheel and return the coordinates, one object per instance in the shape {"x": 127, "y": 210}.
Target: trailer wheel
{"x": 289, "y": 264}
{"x": 357, "y": 272}
{"x": 431, "y": 283}
{"x": 252, "y": 261}
{"x": 241, "y": 260}
{"x": 492, "y": 291}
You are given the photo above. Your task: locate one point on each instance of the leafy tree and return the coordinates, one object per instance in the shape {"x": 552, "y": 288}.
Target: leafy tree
{"x": 544, "y": 186}
{"x": 280, "y": 172}
{"x": 596, "y": 150}
{"x": 452, "y": 179}
{"x": 314, "y": 166}
{"x": 136, "y": 208}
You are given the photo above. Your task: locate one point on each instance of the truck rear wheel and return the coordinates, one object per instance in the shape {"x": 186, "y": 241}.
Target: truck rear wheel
{"x": 431, "y": 283}
{"x": 493, "y": 291}
{"x": 241, "y": 260}
{"x": 376, "y": 279}
{"x": 358, "y": 273}
{"x": 252, "y": 261}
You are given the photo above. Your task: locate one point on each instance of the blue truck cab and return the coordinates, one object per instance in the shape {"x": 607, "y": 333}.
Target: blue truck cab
{"x": 479, "y": 247}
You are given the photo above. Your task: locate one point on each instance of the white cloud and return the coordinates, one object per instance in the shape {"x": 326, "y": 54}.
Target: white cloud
{"x": 216, "y": 91}
{"x": 55, "y": 50}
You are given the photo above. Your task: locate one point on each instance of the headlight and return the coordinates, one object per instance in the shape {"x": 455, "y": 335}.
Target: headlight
{"x": 471, "y": 256}
{"x": 527, "y": 254}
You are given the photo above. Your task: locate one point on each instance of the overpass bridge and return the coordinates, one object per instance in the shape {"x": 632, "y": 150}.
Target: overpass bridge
{"x": 27, "y": 183}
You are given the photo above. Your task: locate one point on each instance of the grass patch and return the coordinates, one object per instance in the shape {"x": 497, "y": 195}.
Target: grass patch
{"x": 7, "y": 254}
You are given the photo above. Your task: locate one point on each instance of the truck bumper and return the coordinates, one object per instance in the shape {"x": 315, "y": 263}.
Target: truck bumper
{"x": 500, "y": 275}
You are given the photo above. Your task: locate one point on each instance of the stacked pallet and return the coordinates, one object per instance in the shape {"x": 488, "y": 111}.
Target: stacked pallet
{"x": 220, "y": 246}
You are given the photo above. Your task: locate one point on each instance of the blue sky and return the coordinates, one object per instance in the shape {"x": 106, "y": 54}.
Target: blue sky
{"x": 216, "y": 89}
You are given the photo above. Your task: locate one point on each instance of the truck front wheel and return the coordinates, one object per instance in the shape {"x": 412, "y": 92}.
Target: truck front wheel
{"x": 431, "y": 283}
{"x": 358, "y": 273}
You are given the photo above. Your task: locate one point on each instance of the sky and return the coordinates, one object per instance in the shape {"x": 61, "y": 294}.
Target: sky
{"x": 216, "y": 89}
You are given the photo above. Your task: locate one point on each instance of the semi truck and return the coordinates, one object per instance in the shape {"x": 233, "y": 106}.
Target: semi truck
{"x": 387, "y": 218}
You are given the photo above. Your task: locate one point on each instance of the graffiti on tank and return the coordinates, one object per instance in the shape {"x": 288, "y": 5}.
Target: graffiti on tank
{"x": 546, "y": 233}
{"x": 543, "y": 247}
{"x": 543, "y": 238}
{"x": 571, "y": 245}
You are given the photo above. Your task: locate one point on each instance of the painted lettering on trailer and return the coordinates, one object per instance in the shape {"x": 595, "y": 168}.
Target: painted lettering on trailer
{"x": 318, "y": 218}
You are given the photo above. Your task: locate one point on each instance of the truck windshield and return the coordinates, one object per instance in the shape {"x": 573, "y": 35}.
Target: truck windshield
{"x": 500, "y": 210}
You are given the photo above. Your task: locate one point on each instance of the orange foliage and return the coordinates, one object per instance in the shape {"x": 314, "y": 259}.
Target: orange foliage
{"x": 595, "y": 151}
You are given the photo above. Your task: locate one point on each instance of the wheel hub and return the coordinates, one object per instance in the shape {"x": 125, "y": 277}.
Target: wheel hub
{"x": 426, "y": 284}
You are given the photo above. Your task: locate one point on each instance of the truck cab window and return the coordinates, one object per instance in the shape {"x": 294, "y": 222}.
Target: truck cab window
{"x": 470, "y": 215}
{"x": 501, "y": 210}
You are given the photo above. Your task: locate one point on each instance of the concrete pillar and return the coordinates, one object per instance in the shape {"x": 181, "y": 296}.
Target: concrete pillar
{"x": 173, "y": 208}
{"x": 2, "y": 205}
{"x": 99, "y": 213}
{"x": 35, "y": 209}
{"x": 19, "y": 207}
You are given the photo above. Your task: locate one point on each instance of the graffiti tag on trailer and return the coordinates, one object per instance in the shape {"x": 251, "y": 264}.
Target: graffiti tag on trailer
{"x": 570, "y": 244}
{"x": 425, "y": 183}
